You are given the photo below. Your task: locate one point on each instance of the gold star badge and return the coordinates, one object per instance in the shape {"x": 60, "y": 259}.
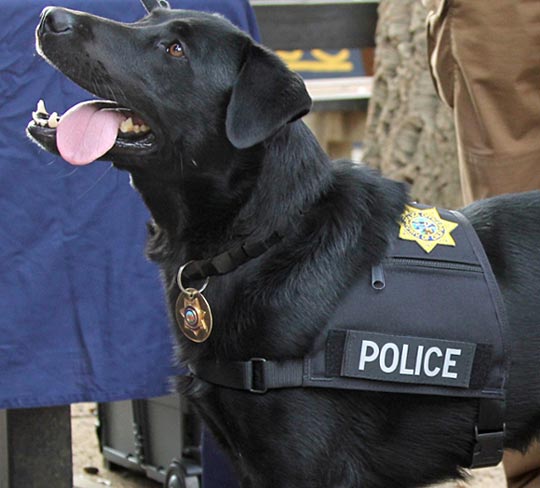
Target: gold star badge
{"x": 193, "y": 315}
{"x": 426, "y": 227}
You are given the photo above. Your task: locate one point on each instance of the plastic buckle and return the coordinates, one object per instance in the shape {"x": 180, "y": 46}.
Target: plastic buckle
{"x": 258, "y": 383}
{"x": 488, "y": 448}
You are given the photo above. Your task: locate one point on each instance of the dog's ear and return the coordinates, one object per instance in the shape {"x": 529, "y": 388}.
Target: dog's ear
{"x": 265, "y": 97}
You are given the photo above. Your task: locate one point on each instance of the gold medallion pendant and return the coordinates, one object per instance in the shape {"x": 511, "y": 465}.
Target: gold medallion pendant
{"x": 192, "y": 311}
{"x": 193, "y": 315}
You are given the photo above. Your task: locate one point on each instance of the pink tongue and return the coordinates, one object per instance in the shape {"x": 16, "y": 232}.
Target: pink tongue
{"x": 86, "y": 133}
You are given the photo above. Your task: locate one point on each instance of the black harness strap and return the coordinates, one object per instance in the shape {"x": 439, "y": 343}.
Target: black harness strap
{"x": 489, "y": 433}
{"x": 230, "y": 260}
{"x": 257, "y": 375}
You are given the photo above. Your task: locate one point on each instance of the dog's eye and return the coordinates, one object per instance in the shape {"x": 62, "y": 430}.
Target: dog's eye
{"x": 176, "y": 50}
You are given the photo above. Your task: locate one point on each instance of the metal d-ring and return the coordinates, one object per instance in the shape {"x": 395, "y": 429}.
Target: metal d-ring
{"x": 179, "y": 281}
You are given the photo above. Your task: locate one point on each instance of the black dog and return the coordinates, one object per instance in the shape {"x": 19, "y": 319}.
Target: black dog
{"x": 220, "y": 158}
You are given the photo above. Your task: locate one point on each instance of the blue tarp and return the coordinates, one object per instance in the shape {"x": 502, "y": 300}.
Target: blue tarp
{"x": 82, "y": 315}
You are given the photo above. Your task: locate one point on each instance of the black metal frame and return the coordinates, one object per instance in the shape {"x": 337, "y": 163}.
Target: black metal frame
{"x": 143, "y": 459}
{"x": 150, "y": 5}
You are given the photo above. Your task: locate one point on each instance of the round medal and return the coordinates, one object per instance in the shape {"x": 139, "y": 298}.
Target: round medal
{"x": 193, "y": 315}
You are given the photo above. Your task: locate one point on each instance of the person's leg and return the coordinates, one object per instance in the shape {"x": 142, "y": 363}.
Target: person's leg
{"x": 523, "y": 471}
{"x": 485, "y": 61}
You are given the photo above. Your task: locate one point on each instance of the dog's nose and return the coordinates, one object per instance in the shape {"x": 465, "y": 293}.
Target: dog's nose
{"x": 57, "y": 20}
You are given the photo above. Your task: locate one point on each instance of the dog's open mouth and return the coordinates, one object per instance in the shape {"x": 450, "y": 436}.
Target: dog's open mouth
{"x": 91, "y": 130}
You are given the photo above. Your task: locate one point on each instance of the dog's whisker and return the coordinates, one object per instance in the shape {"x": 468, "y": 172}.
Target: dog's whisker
{"x": 96, "y": 182}
{"x": 67, "y": 175}
{"x": 121, "y": 92}
{"x": 181, "y": 165}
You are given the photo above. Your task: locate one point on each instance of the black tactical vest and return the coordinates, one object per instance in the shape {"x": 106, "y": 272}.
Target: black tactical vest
{"x": 429, "y": 319}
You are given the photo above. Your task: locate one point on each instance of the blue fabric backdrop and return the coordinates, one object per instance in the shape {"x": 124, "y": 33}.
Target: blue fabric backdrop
{"x": 82, "y": 316}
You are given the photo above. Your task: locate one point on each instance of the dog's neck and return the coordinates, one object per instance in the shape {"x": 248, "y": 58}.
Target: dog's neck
{"x": 249, "y": 193}
{"x": 288, "y": 184}
{"x": 340, "y": 215}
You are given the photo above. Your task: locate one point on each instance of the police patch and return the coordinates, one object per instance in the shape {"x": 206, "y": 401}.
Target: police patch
{"x": 403, "y": 359}
{"x": 426, "y": 227}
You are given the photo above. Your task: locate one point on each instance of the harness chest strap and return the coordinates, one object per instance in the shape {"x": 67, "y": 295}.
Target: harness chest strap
{"x": 360, "y": 360}
{"x": 259, "y": 375}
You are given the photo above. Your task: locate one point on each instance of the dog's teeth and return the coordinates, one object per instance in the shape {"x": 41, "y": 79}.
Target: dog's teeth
{"x": 39, "y": 116}
{"x": 53, "y": 120}
{"x": 126, "y": 125}
{"x": 41, "y": 108}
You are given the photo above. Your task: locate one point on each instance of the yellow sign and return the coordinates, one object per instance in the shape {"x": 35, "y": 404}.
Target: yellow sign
{"x": 426, "y": 227}
{"x": 322, "y": 61}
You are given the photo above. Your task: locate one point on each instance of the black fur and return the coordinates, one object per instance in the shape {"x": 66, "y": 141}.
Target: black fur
{"x": 230, "y": 162}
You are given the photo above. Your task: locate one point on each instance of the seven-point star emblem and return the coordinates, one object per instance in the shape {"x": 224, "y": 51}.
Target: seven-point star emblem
{"x": 426, "y": 227}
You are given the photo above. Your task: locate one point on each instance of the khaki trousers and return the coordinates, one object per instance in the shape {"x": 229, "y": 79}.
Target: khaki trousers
{"x": 523, "y": 471}
{"x": 484, "y": 57}
{"x": 485, "y": 62}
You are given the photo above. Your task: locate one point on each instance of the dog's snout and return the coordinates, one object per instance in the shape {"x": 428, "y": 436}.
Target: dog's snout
{"x": 57, "y": 21}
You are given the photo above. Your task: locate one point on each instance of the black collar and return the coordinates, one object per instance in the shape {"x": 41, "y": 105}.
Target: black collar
{"x": 231, "y": 259}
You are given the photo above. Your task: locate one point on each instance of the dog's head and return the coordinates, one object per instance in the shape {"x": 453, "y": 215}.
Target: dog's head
{"x": 174, "y": 82}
